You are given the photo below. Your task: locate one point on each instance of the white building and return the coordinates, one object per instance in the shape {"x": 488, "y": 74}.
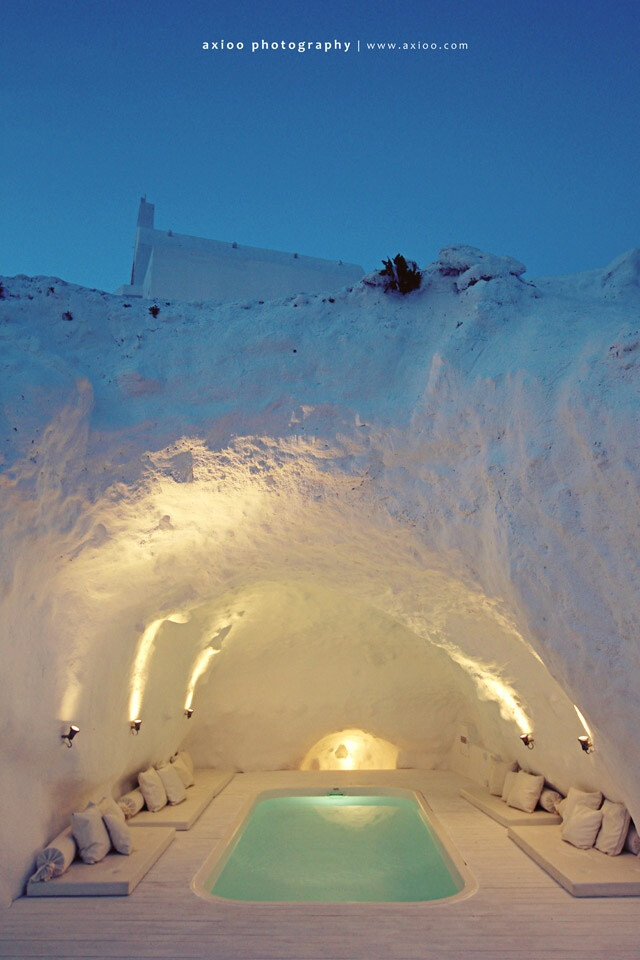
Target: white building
{"x": 173, "y": 266}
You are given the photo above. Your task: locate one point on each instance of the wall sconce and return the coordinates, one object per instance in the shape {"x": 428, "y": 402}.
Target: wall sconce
{"x": 135, "y": 727}
{"x": 188, "y": 713}
{"x": 527, "y": 739}
{"x": 68, "y": 737}
{"x": 586, "y": 743}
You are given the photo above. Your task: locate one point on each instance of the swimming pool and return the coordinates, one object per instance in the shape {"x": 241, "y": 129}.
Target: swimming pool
{"x": 351, "y": 845}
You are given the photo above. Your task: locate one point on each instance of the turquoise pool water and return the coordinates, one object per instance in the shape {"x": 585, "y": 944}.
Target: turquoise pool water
{"x": 336, "y": 849}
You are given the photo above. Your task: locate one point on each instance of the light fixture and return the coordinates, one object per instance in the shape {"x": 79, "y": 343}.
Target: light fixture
{"x": 135, "y": 727}
{"x": 527, "y": 739}
{"x": 585, "y": 740}
{"x": 68, "y": 737}
{"x": 188, "y": 713}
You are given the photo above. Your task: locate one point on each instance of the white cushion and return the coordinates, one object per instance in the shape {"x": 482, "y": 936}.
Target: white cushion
{"x": 90, "y": 834}
{"x": 56, "y": 857}
{"x": 153, "y": 791}
{"x": 497, "y": 772}
{"x": 549, "y": 799}
{"x": 131, "y": 803}
{"x": 581, "y": 827}
{"x": 172, "y": 783}
{"x": 114, "y": 821}
{"x": 614, "y": 829}
{"x": 109, "y": 805}
{"x": 525, "y": 792}
{"x": 632, "y": 843}
{"x": 509, "y": 780}
{"x": 186, "y": 759}
{"x": 183, "y": 771}
{"x": 591, "y": 800}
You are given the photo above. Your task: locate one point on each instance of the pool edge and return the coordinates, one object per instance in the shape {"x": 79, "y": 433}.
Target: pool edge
{"x": 218, "y": 857}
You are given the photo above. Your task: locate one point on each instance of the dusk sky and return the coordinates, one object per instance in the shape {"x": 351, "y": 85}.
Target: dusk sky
{"x": 526, "y": 143}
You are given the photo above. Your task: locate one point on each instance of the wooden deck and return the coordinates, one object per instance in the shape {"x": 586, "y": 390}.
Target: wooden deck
{"x": 517, "y": 913}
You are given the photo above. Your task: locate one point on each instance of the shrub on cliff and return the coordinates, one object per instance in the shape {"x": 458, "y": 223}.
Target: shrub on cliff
{"x": 400, "y": 275}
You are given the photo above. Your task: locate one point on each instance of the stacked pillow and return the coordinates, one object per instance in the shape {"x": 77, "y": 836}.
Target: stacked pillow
{"x": 90, "y": 833}
{"x": 525, "y": 791}
{"x": 101, "y": 827}
{"x": 581, "y": 817}
{"x": 509, "y": 780}
{"x": 166, "y": 783}
{"x": 614, "y": 829}
{"x": 632, "y": 843}
{"x": 587, "y": 821}
{"x": 183, "y": 764}
{"x": 98, "y": 828}
{"x": 114, "y": 821}
{"x": 581, "y": 828}
{"x": 172, "y": 782}
{"x": 152, "y": 789}
{"x": 519, "y": 789}
{"x": 498, "y": 770}
{"x": 591, "y": 800}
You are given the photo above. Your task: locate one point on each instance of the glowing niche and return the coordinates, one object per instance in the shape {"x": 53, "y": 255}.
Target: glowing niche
{"x": 351, "y": 750}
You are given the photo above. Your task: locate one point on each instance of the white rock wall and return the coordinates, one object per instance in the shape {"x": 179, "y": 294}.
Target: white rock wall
{"x": 397, "y": 514}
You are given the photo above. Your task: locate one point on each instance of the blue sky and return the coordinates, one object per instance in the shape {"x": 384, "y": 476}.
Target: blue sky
{"x": 525, "y": 144}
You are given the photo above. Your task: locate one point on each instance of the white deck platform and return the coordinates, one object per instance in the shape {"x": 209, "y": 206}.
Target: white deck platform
{"x": 506, "y": 816}
{"x": 584, "y": 873}
{"x": 182, "y": 816}
{"x": 518, "y": 912}
{"x": 115, "y": 876}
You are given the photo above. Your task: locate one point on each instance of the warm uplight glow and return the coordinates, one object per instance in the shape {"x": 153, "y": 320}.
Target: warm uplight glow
{"x": 200, "y": 666}
{"x": 585, "y": 741}
{"x": 351, "y": 750}
{"x": 491, "y": 687}
{"x": 140, "y": 667}
{"x": 179, "y": 617}
{"x": 71, "y": 699}
{"x": 582, "y": 721}
{"x": 206, "y": 511}
{"x": 143, "y": 656}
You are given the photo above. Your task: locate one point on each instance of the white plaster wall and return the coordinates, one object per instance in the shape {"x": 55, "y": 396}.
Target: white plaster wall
{"x": 185, "y": 268}
{"x": 306, "y": 660}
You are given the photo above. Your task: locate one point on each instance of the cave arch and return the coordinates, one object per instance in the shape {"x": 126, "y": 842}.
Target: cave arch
{"x": 459, "y": 491}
